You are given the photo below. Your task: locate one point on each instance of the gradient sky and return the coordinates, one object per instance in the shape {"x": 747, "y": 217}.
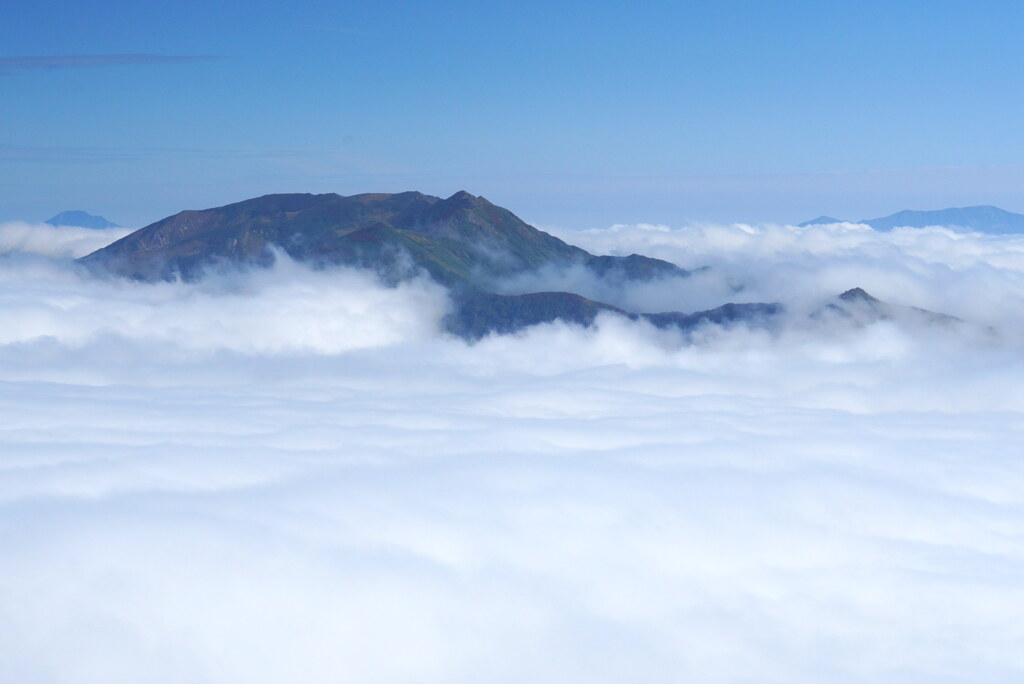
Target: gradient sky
{"x": 572, "y": 114}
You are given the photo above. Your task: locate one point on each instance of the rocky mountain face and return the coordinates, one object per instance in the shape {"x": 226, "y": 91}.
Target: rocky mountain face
{"x": 463, "y": 242}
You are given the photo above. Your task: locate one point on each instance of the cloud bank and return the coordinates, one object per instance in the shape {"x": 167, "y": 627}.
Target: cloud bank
{"x": 973, "y": 276}
{"x": 295, "y": 475}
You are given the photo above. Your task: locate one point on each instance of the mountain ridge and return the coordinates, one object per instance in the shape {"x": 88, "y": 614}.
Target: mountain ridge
{"x": 979, "y": 218}
{"x": 464, "y": 242}
{"x": 460, "y": 241}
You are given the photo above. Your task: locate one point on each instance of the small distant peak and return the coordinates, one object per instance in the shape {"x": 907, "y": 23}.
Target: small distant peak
{"x": 80, "y": 219}
{"x": 857, "y": 294}
{"x": 821, "y": 220}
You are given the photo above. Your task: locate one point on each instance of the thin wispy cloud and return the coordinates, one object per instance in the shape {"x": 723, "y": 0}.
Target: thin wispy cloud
{"x": 59, "y": 154}
{"x": 12, "y": 64}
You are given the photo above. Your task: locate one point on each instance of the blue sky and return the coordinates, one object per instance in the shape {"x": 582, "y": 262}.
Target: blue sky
{"x": 574, "y": 114}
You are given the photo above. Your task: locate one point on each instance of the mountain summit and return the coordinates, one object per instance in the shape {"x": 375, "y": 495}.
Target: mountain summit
{"x": 462, "y": 241}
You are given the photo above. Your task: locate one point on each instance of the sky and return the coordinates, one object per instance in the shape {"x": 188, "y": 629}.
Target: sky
{"x": 572, "y": 114}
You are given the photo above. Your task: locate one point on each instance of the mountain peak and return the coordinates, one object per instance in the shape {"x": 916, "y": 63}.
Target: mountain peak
{"x": 857, "y": 294}
{"x": 80, "y": 219}
{"x": 465, "y": 199}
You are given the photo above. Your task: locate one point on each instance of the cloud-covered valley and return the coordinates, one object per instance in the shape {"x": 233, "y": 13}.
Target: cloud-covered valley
{"x": 295, "y": 475}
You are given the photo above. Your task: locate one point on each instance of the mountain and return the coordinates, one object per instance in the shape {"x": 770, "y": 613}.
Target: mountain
{"x": 859, "y": 308}
{"x": 984, "y": 219}
{"x": 80, "y": 219}
{"x": 819, "y": 221}
{"x": 981, "y": 219}
{"x": 477, "y": 314}
{"x": 462, "y": 241}
{"x": 480, "y": 314}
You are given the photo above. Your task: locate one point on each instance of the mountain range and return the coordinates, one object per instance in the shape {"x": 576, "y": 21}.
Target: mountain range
{"x": 464, "y": 242}
{"x": 80, "y": 219}
{"x": 981, "y": 219}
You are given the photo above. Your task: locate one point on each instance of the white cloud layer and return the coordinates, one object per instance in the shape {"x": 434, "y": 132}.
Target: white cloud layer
{"x": 977, "y": 277}
{"x": 54, "y": 241}
{"x": 290, "y": 475}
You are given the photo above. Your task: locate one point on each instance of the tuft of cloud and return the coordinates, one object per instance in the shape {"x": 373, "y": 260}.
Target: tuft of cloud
{"x": 14, "y": 64}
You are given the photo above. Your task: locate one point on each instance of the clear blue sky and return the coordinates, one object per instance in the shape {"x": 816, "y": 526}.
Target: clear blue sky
{"x": 570, "y": 113}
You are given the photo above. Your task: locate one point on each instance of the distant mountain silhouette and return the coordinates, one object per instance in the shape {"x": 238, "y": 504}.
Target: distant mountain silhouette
{"x": 819, "y": 221}
{"x": 479, "y": 314}
{"x": 981, "y": 219}
{"x": 80, "y": 219}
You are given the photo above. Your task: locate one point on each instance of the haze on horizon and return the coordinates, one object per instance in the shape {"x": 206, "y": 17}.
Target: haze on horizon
{"x": 575, "y": 114}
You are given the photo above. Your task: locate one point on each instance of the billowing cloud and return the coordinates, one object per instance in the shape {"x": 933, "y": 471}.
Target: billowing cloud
{"x": 976, "y": 277}
{"x": 295, "y": 475}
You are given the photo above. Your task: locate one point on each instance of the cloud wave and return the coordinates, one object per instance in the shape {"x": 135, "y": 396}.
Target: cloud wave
{"x": 294, "y": 475}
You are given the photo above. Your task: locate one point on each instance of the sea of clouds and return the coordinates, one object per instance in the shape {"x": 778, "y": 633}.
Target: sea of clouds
{"x": 295, "y": 475}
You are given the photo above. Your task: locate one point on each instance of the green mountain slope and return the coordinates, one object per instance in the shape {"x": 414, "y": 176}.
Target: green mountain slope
{"x": 461, "y": 241}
